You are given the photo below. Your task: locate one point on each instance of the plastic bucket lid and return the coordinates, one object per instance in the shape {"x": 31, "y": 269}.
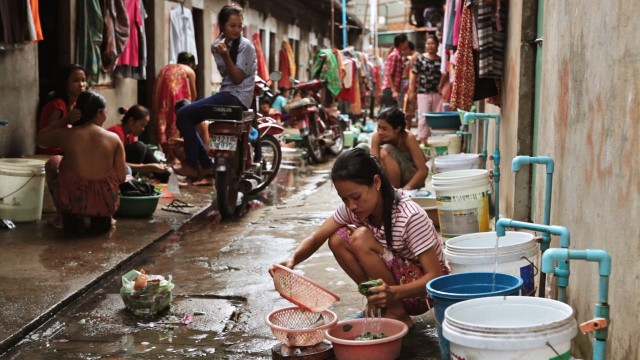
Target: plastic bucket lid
{"x": 480, "y": 248}
{"x": 509, "y": 323}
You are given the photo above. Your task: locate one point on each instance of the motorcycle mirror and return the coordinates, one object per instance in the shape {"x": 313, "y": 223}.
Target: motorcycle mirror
{"x": 275, "y": 76}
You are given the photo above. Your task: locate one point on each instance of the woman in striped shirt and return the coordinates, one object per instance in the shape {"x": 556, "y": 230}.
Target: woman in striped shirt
{"x": 378, "y": 232}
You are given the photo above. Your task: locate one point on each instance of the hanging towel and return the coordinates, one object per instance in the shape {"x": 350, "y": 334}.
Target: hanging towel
{"x": 284, "y": 69}
{"x": 292, "y": 60}
{"x": 115, "y": 32}
{"x": 182, "y": 34}
{"x": 130, "y": 52}
{"x": 35, "y": 13}
{"x": 138, "y": 72}
{"x": 263, "y": 72}
{"x": 491, "y": 38}
{"x": 89, "y": 27}
{"x": 327, "y": 70}
{"x": 14, "y": 22}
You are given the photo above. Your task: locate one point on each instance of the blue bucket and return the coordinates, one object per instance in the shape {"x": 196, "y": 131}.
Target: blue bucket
{"x": 450, "y": 289}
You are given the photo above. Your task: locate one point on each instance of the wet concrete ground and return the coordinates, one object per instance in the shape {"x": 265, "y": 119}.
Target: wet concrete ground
{"x": 220, "y": 272}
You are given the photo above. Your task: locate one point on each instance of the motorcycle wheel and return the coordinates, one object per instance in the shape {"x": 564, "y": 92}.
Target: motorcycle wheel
{"x": 227, "y": 187}
{"x": 338, "y": 145}
{"x": 312, "y": 141}
{"x": 270, "y": 163}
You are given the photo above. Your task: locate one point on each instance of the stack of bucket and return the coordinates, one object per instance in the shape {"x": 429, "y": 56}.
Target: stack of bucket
{"x": 21, "y": 189}
{"x": 456, "y": 162}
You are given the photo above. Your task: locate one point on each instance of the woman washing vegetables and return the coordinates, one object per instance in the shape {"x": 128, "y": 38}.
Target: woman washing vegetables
{"x": 378, "y": 233}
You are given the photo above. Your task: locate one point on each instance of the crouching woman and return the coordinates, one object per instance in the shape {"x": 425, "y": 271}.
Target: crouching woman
{"x": 378, "y": 232}
{"x": 86, "y": 183}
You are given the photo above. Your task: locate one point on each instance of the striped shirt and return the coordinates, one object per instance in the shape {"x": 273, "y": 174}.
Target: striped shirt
{"x": 247, "y": 62}
{"x": 413, "y": 232}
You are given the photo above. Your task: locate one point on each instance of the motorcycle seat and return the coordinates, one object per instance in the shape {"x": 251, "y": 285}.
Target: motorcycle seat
{"x": 222, "y": 112}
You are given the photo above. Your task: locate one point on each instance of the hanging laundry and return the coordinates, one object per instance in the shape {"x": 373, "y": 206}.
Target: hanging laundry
{"x": 491, "y": 37}
{"x": 129, "y": 54}
{"x": 463, "y": 86}
{"x": 285, "y": 69}
{"x": 138, "y": 72}
{"x": 182, "y": 36}
{"x": 35, "y": 13}
{"x": 115, "y": 32}
{"x": 16, "y": 23}
{"x": 326, "y": 66}
{"x": 292, "y": 60}
{"x": 89, "y": 27}
{"x": 263, "y": 72}
{"x": 348, "y": 89}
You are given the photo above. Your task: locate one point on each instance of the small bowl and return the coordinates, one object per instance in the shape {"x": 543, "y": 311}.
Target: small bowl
{"x": 345, "y": 347}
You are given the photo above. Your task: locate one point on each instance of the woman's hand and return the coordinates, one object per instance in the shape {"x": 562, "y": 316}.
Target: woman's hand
{"x": 221, "y": 48}
{"x": 383, "y": 295}
{"x": 73, "y": 116}
{"x": 288, "y": 263}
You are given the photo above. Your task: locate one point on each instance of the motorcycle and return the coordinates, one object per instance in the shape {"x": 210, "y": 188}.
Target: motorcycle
{"x": 320, "y": 128}
{"x": 244, "y": 147}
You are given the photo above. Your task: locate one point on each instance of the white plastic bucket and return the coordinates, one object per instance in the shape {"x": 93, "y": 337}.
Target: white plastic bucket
{"x": 439, "y": 146}
{"x": 517, "y": 252}
{"x": 21, "y": 189}
{"x": 463, "y": 201}
{"x": 456, "y": 162}
{"x": 510, "y": 327}
{"x": 455, "y": 144}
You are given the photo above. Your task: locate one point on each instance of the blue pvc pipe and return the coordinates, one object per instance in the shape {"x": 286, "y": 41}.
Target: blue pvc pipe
{"x": 546, "y": 237}
{"x": 468, "y": 118}
{"x": 604, "y": 270}
{"x": 344, "y": 23}
{"x": 563, "y": 270}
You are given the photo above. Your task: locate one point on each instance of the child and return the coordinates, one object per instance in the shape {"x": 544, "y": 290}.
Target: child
{"x": 139, "y": 156}
{"x": 86, "y": 184}
{"x": 390, "y": 238}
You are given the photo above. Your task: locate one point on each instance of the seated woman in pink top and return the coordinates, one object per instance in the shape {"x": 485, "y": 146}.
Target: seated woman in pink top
{"x": 87, "y": 181}
{"x": 139, "y": 156}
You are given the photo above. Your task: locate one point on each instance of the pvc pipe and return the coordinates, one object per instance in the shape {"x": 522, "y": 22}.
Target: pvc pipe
{"x": 604, "y": 270}
{"x": 546, "y": 237}
{"x": 563, "y": 270}
{"x": 344, "y": 24}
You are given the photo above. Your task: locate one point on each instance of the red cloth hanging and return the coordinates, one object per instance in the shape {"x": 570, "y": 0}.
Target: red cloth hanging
{"x": 464, "y": 83}
{"x": 285, "y": 69}
{"x": 263, "y": 71}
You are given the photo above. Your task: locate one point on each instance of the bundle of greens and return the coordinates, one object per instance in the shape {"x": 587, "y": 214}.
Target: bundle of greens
{"x": 364, "y": 287}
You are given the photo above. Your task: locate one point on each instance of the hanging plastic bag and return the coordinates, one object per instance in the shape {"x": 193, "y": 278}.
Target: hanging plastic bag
{"x": 173, "y": 186}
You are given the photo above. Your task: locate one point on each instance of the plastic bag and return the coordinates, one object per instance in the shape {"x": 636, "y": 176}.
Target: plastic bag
{"x": 154, "y": 298}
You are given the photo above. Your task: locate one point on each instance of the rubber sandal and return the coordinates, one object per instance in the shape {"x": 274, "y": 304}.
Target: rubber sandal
{"x": 176, "y": 208}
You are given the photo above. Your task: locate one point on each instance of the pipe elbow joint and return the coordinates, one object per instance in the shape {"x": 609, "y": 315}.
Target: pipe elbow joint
{"x": 548, "y": 162}
{"x": 563, "y": 233}
{"x": 518, "y": 161}
{"x": 501, "y": 226}
{"x": 603, "y": 258}
{"x": 468, "y": 118}
{"x": 550, "y": 256}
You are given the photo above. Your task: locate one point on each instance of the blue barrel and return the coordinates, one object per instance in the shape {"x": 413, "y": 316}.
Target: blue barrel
{"x": 450, "y": 289}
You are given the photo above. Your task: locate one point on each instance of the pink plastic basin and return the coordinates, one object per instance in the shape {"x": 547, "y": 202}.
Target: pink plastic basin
{"x": 345, "y": 347}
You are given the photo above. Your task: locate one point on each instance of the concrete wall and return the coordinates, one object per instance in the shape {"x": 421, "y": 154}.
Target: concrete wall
{"x": 589, "y": 124}
{"x": 19, "y": 99}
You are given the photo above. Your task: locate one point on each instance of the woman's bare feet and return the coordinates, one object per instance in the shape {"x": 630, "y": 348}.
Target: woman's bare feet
{"x": 393, "y": 312}
{"x": 186, "y": 170}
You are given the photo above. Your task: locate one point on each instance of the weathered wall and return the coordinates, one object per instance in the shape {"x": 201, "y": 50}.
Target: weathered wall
{"x": 19, "y": 99}
{"x": 589, "y": 124}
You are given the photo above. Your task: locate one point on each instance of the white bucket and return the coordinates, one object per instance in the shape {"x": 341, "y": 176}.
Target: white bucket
{"x": 509, "y": 327}
{"x": 463, "y": 201}
{"x": 517, "y": 252}
{"x": 21, "y": 189}
{"x": 456, "y": 162}
{"x": 439, "y": 145}
{"x": 455, "y": 144}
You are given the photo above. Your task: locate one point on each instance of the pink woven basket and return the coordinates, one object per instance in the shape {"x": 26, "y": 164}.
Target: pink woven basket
{"x": 301, "y": 290}
{"x": 295, "y": 326}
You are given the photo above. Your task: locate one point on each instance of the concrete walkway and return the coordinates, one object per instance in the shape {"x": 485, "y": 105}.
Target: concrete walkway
{"x": 43, "y": 269}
